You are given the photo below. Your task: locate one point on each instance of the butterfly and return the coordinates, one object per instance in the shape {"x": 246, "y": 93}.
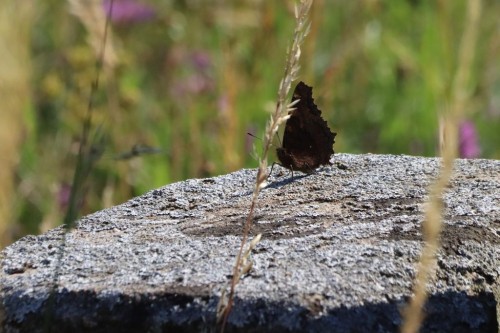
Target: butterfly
{"x": 307, "y": 140}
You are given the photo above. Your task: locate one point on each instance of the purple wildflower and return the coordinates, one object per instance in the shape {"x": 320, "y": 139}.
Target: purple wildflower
{"x": 198, "y": 78}
{"x": 128, "y": 11}
{"x": 63, "y": 196}
{"x": 201, "y": 60}
{"x": 468, "y": 142}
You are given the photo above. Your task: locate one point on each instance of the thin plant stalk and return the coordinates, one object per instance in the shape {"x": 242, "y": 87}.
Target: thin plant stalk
{"x": 87, "y": 155}
{"x": 279, "y": 116}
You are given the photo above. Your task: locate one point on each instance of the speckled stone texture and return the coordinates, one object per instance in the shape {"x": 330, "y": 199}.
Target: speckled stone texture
{"x": 338, "y": 254}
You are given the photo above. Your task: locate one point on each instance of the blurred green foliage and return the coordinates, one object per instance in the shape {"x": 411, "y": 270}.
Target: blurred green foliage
{"x": 196, "y": 76}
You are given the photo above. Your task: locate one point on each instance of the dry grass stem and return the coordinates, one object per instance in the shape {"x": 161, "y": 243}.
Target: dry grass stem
{"x": 279, "y": 116}
{"x": 413, "y": 314}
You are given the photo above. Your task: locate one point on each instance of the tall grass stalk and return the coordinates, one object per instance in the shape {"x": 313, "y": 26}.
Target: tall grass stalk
{"x": 279, "y": 116}
{"x": 87, "y": 153}
{"x": 432, "y": 225}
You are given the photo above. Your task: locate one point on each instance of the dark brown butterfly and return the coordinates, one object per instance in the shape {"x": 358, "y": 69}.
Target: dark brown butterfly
{"x": 307, "y": 141}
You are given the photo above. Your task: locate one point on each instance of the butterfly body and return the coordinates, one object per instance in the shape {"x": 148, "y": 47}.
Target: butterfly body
{"x": 307, "y": 140}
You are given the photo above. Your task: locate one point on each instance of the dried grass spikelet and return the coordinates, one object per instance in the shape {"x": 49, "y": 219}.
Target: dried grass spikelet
{"x": 93, "y": 17}
{"x": 246, "y": 263}
{"x": 245, "y": 266}
{"x": 279, "y": 116}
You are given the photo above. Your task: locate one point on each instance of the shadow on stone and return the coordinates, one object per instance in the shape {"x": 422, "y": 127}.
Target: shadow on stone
{"x": 89, "y": 312}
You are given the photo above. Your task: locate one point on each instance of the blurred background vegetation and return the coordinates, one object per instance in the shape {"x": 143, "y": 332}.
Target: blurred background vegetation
{"x": 185, "y": 81}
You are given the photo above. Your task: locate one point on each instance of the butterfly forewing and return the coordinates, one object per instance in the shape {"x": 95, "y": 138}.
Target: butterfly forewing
{"x": 307, "y": 140}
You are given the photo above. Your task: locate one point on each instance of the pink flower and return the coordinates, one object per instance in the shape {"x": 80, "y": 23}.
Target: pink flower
{"x": 201, "y": 60}
{"x": 128, "y": 11}
{"x": 63, "y": 196}
{"x": 468, "y": 142}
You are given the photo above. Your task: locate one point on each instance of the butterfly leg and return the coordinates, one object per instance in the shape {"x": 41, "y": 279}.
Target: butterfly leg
{"x": 270, "y": 173}
{"x": 272, "y": 167}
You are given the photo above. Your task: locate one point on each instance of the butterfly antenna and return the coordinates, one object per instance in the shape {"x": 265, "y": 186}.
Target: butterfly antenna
{"x": 253, "y": 136}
